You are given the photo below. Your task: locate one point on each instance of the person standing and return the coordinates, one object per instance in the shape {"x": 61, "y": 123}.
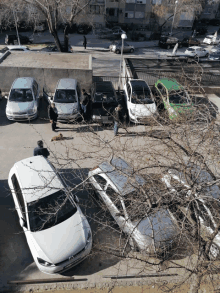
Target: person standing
{"x": 52, "y": 113}
{"x": 40, "y": 150}
{"x": 84, "y": 42}
{"x": 118, "y": 117}
{"x": 84, "y": 102}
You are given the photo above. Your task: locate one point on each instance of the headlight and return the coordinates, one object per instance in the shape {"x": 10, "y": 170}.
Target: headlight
{"x": 45, "y": 263}
{"x": 113, "y": 47}
{"x": 8, "y": 111}
{"x": 31, "y": 111}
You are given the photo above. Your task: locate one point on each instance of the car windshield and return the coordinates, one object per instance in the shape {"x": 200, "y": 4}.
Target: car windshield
{"x": 141, "y": 94}
{"x": 21, "y": 95}
{"x": 50, "y": 211}
{"x": 65, "y": 96}
{"x": 178, "y": 97}
{"x": 191, "y": 49}
{"x": 105, "y": 98}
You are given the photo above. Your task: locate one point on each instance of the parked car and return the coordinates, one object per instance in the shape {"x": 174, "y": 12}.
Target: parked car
{"x": 202, "y": 206}
{"x": 66, "y": 99}
{"x": 168, "y": 42}
{"x": 104, "y": 101}
{"x": 118, "y": 32}
{"x": 211, "y": 40}
{"x": 214, "y": 55}
{"x": 15, "y": 48}
{"x": 190, "y": 41}
{"x": 196, "y": 51}
{"x": 171, "y": 97}
{"x": 140, "y": 101}
{"x": 117, "y": 45}
{"x": 49, "y": 215}
{"x": 23, "y": 100}
{"x": 116, "y": 187}
{"x": 13, "y": 39}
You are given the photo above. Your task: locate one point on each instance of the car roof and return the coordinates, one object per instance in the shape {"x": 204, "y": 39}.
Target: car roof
{"x": 37, "y": 178}
{"x": 16, "y": 47}
{"x": 120, "y": 173}
{"x": 170, "y": 84}
{"x": 195, "y": 47}
{"x": 23, "y": 83}
{"x": 104, "y": 86}
{"x": 66, "y": 83}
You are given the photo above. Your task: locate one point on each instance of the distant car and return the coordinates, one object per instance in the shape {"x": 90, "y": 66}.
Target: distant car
{"x": 140, "y": 101}
{"x": 104, "y": 101}
{"x": 23, "y": 100}
{"x": 15, "y": 48}
{"x": 211, "y": 40}
{"x": 215, "y": 49}
{"x": 66, "y": 99}
{"x": 49, "y": 215}
{"x": 190, "y": 41}
{"x": 171, "y": 97}
{"x": 13, "y": 39}
{"x": 196, "y": 51}
{"x": 202, "y": 207}
{"x": 116, "y": 47}
{"x": 215, "y": 55}
{"x": 168, "y": 42}
{"x": 117, "y": 187}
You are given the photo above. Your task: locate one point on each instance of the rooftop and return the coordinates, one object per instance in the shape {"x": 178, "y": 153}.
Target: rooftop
{"x": 48, "y": 60}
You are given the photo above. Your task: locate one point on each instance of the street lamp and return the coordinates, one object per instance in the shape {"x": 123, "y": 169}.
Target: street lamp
{"x": 176, "y": 2}
{"x": 123, "y": 36}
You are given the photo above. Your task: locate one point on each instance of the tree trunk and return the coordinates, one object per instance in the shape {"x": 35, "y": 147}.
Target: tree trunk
{"x": 66, "y": 39}
{"x": 196, "y": 281}
{"x": 57, "y": 41}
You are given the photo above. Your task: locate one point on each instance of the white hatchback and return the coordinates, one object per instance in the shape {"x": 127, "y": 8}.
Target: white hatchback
{"x": 23, "y": 100}
{"x": 57, "y": 232}
{"x": 140, "y": 101}
{"x": 196, "y": 51}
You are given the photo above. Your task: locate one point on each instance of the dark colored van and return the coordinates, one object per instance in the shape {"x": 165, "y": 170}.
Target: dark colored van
{"x": 168, "y": 42}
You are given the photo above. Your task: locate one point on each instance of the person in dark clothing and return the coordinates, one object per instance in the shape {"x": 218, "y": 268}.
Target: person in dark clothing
{"x": 84, "y": 42}
{"x": 84, "y": 102}
{"x": 40, "y": 150}
{"x": 119, "y": 118}
{"x": 52, "y": 113}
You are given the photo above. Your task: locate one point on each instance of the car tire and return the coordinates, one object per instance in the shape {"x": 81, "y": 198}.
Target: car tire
{"x": 168, "y": 47}
{"x": 117, "y": 51}
{"x": 132, "y": 50}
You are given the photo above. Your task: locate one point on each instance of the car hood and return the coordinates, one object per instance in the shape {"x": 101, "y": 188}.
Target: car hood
{"x": 143, "y": 110}
{"x": 66, "y": 108}
{"x": 19, "y": 107}
{"x": 60, "y": 242}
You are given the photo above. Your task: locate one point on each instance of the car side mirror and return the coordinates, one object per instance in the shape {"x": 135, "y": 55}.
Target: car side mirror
{"x": 23, "y": 223}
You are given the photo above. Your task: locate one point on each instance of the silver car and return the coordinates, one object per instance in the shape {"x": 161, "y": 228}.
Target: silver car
{"x": 23, "y": 100}
{"x": 117, "y": 45}
{"x": 66, "y": 99}
{"x": 116, "y": 186}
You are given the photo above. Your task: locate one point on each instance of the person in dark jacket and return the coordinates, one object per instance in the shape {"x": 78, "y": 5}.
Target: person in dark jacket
{"x": 52, "y": 113}
{"x": 119, "y": 118}
{"x": 40, "y": 150}
{"x": 84, "y": 42}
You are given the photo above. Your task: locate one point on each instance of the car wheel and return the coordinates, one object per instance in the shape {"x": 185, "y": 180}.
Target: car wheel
{"x": 117, "y": 51}
{"x": 168, "y": 47}
{"x": 132, "y": 50}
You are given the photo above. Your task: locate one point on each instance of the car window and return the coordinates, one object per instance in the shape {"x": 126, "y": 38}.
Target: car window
{"x": 65, "y": 96}
{"x": 21, "y": 95}
{"x": 115, "y": 198}
{"x": 51, "y": 210}
{"x": 18, "y": 194}
{"x": 178, "y": 97}
{"x": 100, "y": 180}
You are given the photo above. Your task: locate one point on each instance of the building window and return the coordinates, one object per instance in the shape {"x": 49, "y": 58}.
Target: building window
{"x": 129, "y": 14}
{"x": 95, "y": 9}
{"x": 139, "y": 14}
{"x": 111, "y": 12}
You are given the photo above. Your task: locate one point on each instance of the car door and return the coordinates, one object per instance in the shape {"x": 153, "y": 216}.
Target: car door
{"x": 126, "y": 47}
{"x": 18, "y": 200}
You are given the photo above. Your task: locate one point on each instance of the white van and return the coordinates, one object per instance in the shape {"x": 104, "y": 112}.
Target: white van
{"x": 23, "y": 100}
{"x": 140, "y": 101}
{"x": 57, "y": 232}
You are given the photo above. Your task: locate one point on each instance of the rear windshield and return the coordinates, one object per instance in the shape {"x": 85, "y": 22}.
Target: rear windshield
{"x": 50, "y": 211}
{"x": 141, "y": 94}
{"x": 21, "y": 95}
{"x": 105, "y": 98}
{"x": 65, "y": 96}
{"x": 178, "y": 97}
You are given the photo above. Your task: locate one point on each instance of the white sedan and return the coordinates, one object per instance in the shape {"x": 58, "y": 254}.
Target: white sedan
{"x": 196, "y": 51}
{"x": 57, "y": 232}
